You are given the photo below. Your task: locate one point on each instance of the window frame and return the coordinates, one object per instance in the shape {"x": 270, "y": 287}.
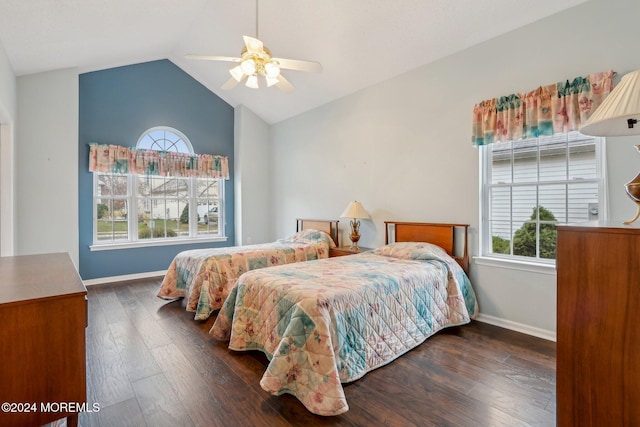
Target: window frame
{"x": 537, "y": 264}
{"x": 132, "y": 198}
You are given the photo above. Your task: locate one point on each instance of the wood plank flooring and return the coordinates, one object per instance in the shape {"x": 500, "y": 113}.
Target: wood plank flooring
{"x": 150, "y": 364}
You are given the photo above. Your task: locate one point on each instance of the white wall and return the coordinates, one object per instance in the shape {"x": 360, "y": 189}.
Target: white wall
{"x": 251, "y": 177}
{"x": 47, "y": 163}
{"x": 403, "y": 147}
{"x": 8, "y": 107}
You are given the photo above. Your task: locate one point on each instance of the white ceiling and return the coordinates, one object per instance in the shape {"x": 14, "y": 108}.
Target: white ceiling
{"x": 358, "y": 42}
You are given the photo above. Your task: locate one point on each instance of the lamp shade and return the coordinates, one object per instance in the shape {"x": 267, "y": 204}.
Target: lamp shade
{"x": 619, "y": 112}
{"x": 236, "y": 73}
{"x": 252, "y": 82}
{"x": 355, "y": 210}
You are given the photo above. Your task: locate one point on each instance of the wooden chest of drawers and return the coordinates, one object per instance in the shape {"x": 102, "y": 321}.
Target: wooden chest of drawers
{"x": 43, "y": 311}
{"x": 598, "y": 339}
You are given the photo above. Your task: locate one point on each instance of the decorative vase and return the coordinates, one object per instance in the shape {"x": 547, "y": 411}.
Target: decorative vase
{"x": 633, "y": 188}
{"x": 354, "y": 239}
{"x": 355, "y": 236}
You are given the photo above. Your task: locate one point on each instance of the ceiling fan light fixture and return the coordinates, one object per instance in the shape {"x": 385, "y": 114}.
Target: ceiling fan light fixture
{"x": 237, "y": 73}
{"x": 271, "y": 69}
{"x": 252, "y": 82}
{"x": 271, "y": 81}
{"x": 248, "y": 66}
{"x": 256, "y": 62}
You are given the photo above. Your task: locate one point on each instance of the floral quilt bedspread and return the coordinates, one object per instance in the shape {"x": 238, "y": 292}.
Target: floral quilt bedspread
{"x": 204, "y": 277}
{"x": 327, "y": 322}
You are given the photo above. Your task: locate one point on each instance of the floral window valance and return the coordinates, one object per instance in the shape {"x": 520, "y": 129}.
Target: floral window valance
{"x": 560, "y": 107}
{"x": 117, "y": 159}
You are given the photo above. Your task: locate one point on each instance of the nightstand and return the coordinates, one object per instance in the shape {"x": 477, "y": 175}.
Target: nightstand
{"x": 346, "y": 250}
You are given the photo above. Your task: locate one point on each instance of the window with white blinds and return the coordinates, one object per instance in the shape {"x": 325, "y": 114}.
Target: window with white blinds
{"x": 530, "y": 185}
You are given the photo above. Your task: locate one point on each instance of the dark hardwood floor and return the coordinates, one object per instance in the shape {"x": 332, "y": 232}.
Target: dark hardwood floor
{"x": 149, "y": 363}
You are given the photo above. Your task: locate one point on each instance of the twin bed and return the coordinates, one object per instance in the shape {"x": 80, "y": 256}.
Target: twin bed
{"x": 330, "y": 321}
{"x": 204, "y": 277}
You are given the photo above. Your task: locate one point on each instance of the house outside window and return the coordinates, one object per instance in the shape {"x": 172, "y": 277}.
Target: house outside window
{"x": 141, "y": 210}
{"x": 530, "y": 185}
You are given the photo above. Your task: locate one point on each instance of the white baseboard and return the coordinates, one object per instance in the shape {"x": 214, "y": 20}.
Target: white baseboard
{"x": 518, "y": 327}
{"x": 126, "y": 277}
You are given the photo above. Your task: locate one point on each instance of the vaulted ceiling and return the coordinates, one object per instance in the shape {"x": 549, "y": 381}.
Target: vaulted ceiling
{"x": 358, "y": 42}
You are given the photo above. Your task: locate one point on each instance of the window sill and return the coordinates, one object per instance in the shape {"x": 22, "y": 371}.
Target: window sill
{"x": 533, "y": 267}
{"x": 147, "y": 244}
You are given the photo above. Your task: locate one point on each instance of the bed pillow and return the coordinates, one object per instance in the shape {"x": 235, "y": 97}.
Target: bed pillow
{"x": 429, "y": 251}
{"x": 310, "y": 236}
{"x": 412, "y": 250}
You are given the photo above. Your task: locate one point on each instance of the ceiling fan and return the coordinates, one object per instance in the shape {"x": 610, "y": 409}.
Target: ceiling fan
{"x": 256, "y": 62}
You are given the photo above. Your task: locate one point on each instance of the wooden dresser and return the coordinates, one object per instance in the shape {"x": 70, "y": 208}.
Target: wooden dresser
{"x": 43, "y": 316}
{"x": 598, "y": 337}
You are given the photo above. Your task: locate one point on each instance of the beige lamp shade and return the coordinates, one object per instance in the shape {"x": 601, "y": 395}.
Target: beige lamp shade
{"x": 355, "y": 210}
{"x": 618, "y": 115}
{"x": 619, "y": 112}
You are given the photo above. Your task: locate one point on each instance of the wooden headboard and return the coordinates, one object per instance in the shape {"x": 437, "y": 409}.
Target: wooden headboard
{"x": 329, "y": 226}
{"x": 442, "y": 235}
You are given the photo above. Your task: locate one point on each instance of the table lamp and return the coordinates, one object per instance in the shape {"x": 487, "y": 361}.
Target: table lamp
{"x": 355, "y": 211}
{"x": 618, "y": 115}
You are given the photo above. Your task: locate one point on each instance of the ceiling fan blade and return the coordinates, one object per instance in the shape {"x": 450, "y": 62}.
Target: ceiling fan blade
{"x": 284, "y": 84}
{"x": 253, "y": 45}
{"x": 213, "y": 57}
{"x": 230, "y": 84}
{"x": 299, "y": 65}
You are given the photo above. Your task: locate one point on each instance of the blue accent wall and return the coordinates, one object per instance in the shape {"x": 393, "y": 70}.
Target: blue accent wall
{"x": 119, "y": 104}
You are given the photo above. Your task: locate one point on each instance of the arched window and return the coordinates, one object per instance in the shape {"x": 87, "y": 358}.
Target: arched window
{"x": 152, "y": 209}
{"x": 162, "y": 138}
